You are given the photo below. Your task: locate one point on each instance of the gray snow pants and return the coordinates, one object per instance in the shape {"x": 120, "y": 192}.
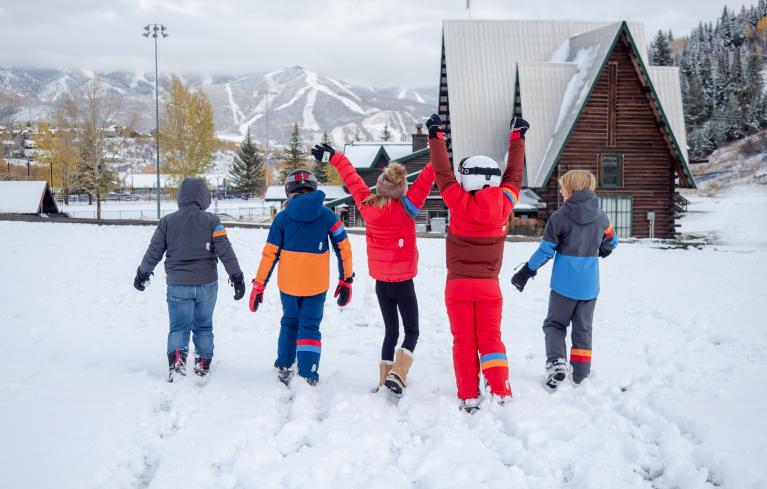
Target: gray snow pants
{"x": 562, "y": 311}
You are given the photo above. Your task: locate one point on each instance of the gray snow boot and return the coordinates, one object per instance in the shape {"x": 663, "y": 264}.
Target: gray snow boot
{"x": 556, "y": 372}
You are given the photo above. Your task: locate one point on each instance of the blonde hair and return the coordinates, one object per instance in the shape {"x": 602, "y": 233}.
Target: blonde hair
{"x": 379, "y": 201}
{"x": 577, "y": 180}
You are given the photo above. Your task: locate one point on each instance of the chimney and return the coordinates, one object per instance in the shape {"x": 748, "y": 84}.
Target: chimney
{"x": 420, "y": 140}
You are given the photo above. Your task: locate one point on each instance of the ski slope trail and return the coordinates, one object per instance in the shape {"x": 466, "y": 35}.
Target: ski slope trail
{"x": 673, "y": 400}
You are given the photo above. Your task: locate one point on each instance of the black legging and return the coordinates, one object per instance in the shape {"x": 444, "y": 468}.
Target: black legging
{"x": 392, "y": 295}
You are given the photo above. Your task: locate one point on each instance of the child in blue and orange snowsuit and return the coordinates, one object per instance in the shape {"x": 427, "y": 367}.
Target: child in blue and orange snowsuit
{"x": 480, "y": 205}
{"x": 298, "y": 239}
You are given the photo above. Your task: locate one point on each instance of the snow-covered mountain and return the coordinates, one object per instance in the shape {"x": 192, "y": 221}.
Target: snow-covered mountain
{"x": 316, "y": 102}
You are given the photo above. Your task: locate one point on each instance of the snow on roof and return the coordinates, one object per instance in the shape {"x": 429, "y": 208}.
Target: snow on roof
{"x": 587, "y": 53}
{"x": 665, "y": 80}
{"x": 363, "y": 154}
{"x": 23, "y": 197}
{"x": 482, "y": 58}
{"x": 332, "y": 192}
{"x": 544, "y": 86}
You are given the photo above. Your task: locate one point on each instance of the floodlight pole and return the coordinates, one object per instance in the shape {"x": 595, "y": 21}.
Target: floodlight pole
{"x": 155, "y": 31}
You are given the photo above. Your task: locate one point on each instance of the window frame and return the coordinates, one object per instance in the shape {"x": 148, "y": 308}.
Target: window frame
{"x": 619, "y": 158}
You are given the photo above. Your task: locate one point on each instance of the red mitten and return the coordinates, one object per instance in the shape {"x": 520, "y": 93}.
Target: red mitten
{"x": 256, "y": 296}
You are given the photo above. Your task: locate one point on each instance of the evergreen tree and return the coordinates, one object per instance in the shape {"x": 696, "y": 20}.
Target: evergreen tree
{"x": 732, "y": 119}
{"x": 707, "y": 81}
{"x": 247, "y": 173}
{"x": 386, "y": 135}
{"x": 736, "y": 84}
{"x": 357, "y": 135}
{"x": 661, "y": 50}
{"x": 754, "y": 84}
{"x": 295, "y": 156}
{"x": 322, "y": 168}
{"x": 720, "y": 81}
{"x": 695, "y": 104}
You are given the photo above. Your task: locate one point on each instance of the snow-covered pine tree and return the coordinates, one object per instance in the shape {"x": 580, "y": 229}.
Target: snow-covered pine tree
{"x": 321, "y": 167}
{"x": 247, "y": 174}
{"x": 386, "y": 135}
{"x": 661, "y": 50}
{"x": 294, "y": 156}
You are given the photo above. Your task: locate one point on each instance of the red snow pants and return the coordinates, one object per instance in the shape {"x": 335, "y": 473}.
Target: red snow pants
{"x": 474, "y": 309}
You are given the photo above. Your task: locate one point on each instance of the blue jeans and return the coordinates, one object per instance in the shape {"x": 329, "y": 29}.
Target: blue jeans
{"x": 300, "y": 333}
{"x": 190, "y": 308}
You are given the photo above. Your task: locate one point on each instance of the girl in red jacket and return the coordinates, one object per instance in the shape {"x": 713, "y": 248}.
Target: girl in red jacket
{"x": 389, "y": 215}
{"x": 480, "y": 205}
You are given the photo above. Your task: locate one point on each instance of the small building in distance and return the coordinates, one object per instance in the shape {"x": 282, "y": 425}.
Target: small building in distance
{"x": 593, "y": 103}
{"x": 24, "y": 197}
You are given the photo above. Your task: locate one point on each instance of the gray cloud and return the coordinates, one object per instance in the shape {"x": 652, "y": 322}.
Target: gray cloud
{"x": 381, "y": 42}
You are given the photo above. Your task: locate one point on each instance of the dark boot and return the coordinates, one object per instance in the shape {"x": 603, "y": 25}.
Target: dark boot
{"x": 176, "y": 363}
{"x": 202, "y": 365}
{"x": 285, "y": 374}
{"x": 556, "y": 372}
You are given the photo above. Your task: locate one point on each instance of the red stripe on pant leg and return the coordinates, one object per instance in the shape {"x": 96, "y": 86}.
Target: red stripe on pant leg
{"x": 308, "y": 342}
{"x": 580, "y": 359}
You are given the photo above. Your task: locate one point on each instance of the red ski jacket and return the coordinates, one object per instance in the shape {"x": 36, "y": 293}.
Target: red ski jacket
{"x": 390, "y": 232}
{"x": 478, "y": 220}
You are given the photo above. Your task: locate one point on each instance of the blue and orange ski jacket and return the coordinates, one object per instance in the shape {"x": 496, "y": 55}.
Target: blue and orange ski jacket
{"x": 298, "y": 239}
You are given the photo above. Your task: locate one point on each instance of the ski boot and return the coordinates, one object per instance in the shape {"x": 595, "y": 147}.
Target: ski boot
{"x": 201, "y": 365}
{"x": 471, "y": 406}
{"x": 285, "y": 374}
{"x": 176, "y": 363}
{"x": 557, "y": 372}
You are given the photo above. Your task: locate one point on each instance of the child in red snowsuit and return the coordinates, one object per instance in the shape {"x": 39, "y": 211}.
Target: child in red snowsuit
{"x": 389, "y": 216}
{"x": 480, "y": 206}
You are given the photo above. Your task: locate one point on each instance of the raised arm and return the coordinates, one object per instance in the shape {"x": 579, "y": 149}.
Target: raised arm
{"x": 511, "y": 183}
{"x": 356, "y": 185}
{"x": 419, "y": 191}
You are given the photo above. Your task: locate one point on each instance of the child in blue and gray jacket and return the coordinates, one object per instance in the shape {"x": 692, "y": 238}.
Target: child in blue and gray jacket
{"x": 192, "y": 241}
{"x": 575, "y": 235}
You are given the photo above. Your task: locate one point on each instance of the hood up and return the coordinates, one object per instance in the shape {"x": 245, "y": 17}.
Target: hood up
{"x": 306, "y": 207}
{"x": 193, "y": 191}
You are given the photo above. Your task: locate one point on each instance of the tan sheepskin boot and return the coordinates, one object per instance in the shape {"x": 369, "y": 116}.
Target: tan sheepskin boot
{"x": 383, "y": 370}
{"x": 396, "y": 380}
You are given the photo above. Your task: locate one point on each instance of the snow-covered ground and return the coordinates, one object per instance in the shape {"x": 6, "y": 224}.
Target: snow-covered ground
{"x": 675, "y": 399}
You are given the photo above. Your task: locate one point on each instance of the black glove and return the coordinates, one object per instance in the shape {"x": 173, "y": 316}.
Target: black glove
{"x": 604, "y": 252}
{"x": 433, "y": 124}
{"x": 520, "y": 125}
{"x": 344, "y": 291}
{"x": 319, "y": 151}
{"x": 238, "y": 282}
{"x": 519, "y": 280}
{"x": 141, "y": 279}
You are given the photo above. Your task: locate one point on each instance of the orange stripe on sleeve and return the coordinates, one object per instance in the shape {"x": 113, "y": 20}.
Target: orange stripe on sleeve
{"x": 268, "y": 257}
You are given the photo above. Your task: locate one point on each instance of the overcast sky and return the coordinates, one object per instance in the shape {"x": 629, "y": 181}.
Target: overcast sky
{"x": 369, "y": 42}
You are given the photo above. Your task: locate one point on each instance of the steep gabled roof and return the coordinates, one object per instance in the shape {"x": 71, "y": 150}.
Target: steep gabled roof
{"x": 21, "y": 197}
{"x": 557, "y": 64}
{"x": 482, "y": 57}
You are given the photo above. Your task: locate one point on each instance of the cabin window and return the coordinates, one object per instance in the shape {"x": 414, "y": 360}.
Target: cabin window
{"x": 618, "y": 209}
{"x": 610, "y": 171}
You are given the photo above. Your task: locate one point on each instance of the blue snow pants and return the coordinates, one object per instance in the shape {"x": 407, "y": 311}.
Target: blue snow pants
{"x": 300, "y": 333}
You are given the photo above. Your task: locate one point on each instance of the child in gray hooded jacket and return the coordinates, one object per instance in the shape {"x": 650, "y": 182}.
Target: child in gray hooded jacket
{"x": 575, "y": 235}
{"x": 192, "y": 241}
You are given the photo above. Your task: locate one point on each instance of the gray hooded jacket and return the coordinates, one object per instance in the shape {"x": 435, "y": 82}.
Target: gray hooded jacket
{"x": 191, "y": 239}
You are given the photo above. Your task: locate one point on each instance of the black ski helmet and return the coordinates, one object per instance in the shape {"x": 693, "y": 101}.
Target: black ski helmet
{"x": 298, "y": 180}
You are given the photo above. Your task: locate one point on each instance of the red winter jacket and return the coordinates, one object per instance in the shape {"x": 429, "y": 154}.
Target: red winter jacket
{"x": 478, "y": 220}
{"x": 392, "y": 252}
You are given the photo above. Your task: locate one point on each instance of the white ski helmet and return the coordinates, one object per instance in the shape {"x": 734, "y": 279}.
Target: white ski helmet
{"x": 478, "y": 172}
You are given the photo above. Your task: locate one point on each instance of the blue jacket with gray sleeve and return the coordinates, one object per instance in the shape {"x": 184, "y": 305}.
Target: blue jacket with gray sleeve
{"x": 573, "y": 236}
